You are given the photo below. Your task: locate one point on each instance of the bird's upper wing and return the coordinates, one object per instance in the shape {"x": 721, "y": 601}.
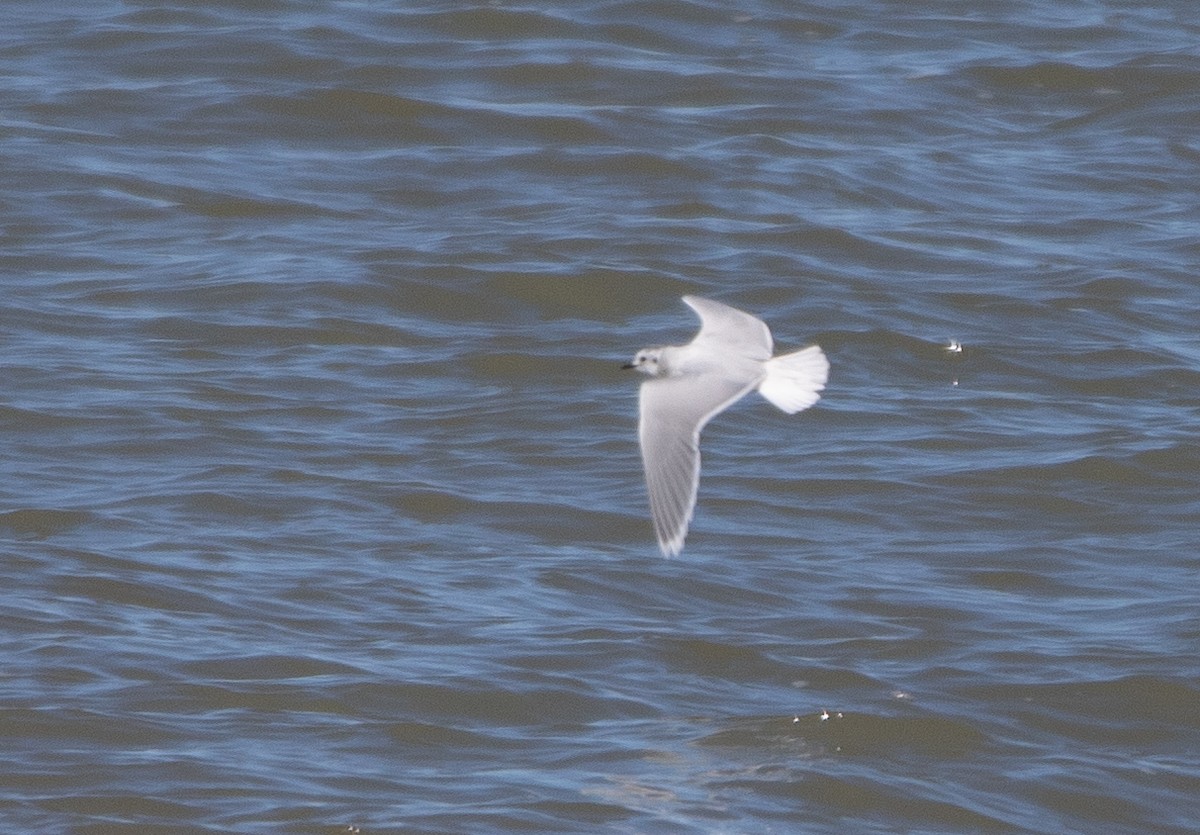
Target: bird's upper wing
{"x": 732, "y": 330}
{"x": 672, "y": 411}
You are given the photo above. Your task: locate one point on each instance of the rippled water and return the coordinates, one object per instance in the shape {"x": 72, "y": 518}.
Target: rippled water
{"x": 322, "y": 509}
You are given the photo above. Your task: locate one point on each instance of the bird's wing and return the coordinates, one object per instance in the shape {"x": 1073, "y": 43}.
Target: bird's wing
{"x": 672, "y": 411}
{"x": 730, "y": 329}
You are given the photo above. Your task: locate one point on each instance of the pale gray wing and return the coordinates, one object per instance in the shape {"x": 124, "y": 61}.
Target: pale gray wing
{"x": 730, "y": 330}
{"x": 672, "y": 412}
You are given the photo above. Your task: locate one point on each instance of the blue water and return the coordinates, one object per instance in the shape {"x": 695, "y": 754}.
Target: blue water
{"x": 321, "y": 506}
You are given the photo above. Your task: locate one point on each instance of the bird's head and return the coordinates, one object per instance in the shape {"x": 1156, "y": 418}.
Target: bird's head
{"x": 647, "y": 361}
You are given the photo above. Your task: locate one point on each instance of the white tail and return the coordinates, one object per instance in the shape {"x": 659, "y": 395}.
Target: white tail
{"x": 794, "y": 381}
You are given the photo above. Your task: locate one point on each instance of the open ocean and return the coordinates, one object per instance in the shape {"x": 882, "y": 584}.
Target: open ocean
{"x": 321, "y": 508}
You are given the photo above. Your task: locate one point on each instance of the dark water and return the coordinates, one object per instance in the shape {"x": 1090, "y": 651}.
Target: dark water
{"x": 321, "y": 507}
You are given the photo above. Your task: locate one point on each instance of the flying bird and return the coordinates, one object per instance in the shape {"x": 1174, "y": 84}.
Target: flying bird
{"x": 690, "y": 384}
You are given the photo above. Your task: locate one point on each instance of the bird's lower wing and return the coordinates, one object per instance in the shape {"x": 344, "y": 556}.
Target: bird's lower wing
{"x": 673, "y": 410}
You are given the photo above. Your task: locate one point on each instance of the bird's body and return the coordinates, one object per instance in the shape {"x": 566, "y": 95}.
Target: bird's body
{"x": 689, "y": 384}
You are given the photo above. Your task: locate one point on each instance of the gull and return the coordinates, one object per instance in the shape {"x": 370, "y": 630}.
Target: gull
{"x": 690, "y": 384}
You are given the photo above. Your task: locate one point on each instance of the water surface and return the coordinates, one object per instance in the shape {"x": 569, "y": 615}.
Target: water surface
{"x": 322, "y": 508}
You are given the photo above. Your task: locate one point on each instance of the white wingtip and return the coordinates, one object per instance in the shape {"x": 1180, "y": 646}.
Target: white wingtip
{"x": 794, "y": 382}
